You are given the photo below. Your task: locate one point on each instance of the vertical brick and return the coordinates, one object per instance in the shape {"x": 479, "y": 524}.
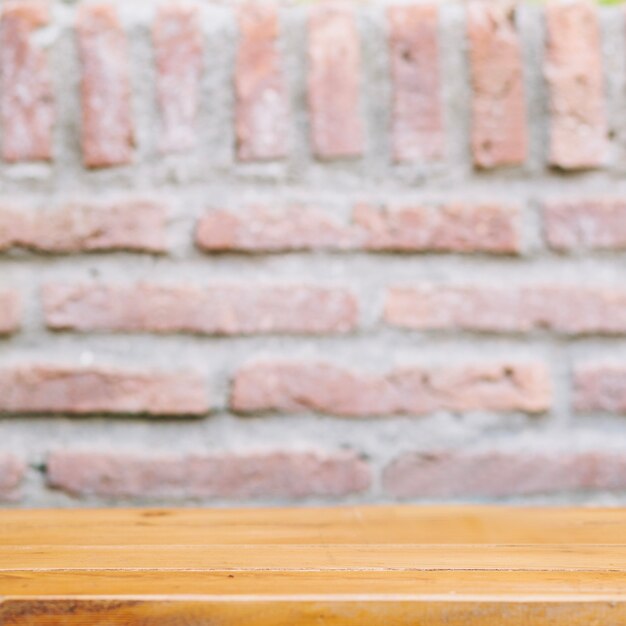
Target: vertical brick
{"x": 107, "y": 126}
{"x": 498, "y": 105}
{"x": 417, "y": 120}
{"x": 9, "y": 312}
{"x": 261, "y": 96}
{"x": 334, "y": 83}
{"x": 26, "y": 99}
{"x": 178, "y": 50}
{"x": 578, "y": 126}
{"x": 275, "y": 474}
{"x": 12, "y": 472}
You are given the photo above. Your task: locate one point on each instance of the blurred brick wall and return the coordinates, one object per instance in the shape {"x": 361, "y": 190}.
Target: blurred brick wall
{"x": 312, "y": 252}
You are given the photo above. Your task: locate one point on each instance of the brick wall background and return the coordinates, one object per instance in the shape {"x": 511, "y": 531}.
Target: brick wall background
{"x": 312, "y": 252}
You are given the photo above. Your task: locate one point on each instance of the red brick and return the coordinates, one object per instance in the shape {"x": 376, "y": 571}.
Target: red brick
{"x": 277, "y": 474}
{"x": 217, "y": 310}
{"x": 9, "y": 312}
{"x": 497, "y": 473}
{"x": 417, "y": 121}
{"x": 293, "y": 386}
{"x": 565, "y": 309}
{"x": 578, "y": 126}
{"x": 586, "y": 224}
{"x": 449, "y": 228}
{"x": 80, "y": 227}
{"x": 178, "y": 51}
{"x": 12, "y": 472}
{"x": 107, "y": 126}
{"x": 85, "y": 390}
{"x": 600, "y": 387}
{"x": 498, "y": 104}
{"x": 26, "y": 99}
{"x": 261, "y": 94}
{"x": 334, "y": 82}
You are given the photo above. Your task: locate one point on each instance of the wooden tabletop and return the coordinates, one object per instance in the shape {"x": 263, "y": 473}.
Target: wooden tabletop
{"x": 361, "y": 566}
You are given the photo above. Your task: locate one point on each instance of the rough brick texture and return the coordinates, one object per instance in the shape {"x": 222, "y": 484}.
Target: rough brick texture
{"x": 417, "y": 131}
{"x": 219, "y": 310}
{"x": 498, "y": 106}
{"x": 575, "y": 224}
{"x": 9, "y": 312}
{"x": 260, "y": 86}
{"x": 12, "y": 472}
{"x": 26, "y": 99}
{"x": 496, "y": 473}
{"x": 291, "y": 386}
{"x": 571, "y": 310}
{"x": 578, "y": 126}
{"x": 334, "y": 82}
{"x": 85, "y": 390}
{"x": 107, "y": 126}
{"x": 227, "y": 475}
{"x": 600, "y": 387}
{"x": 178, "y": 53}
{"x": 453, "y": 227}
{"x": 137, "y": 225}
{"x": 342, "y": 250}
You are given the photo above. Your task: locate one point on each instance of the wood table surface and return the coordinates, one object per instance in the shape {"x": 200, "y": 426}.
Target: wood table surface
{"x": 357, "y": 566}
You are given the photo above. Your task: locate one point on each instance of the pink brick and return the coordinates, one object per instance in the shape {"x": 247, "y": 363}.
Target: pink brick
{"x": 12, "y": 472}
{"x": 178, "y": 51}
{"x": 565, "y": 309}
{"x": 497, "y": 473}
{"x": 578, "y": 127}
{"x": 26, "y": 99}
{"x": 293, "y": 386}
{"x": 261, "y": 94}
{"x": 85, "y": 390}
{"x": 334, "y": 82}
{"x": 498, "y": 105}
{"x": 9, "y": 312}
{"x": 449, "y": 228}
{"x": 137, "y": 225}
{"x": 417, "y": 131}
{"x": 586, "y": 224}
{"x": 600, "y": 387}
{"x": 276, "y": 474}
{"x": 217, "y": 310}
{"x": 107, "y": 126}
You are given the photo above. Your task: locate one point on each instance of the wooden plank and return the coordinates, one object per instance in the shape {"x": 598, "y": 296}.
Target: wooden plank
{"x": 315, "y": 557}
{"x": 309, "y": 613}
{"x": 501, "y": 584}
{"x": 349, "y": 525}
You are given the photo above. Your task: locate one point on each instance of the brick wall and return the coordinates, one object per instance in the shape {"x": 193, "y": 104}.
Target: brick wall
{"x": 313, "y": 252}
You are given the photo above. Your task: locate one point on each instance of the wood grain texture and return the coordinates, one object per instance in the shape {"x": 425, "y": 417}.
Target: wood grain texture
{"x": 351, "y": 566}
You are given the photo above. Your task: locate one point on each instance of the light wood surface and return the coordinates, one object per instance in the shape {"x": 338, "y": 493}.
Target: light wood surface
{"x": 352, "y": 566}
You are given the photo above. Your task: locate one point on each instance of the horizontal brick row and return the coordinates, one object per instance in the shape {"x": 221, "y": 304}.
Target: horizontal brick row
{"x": 304, "y": 309}
{"x": 293, "y": 386}
{"x": 294, "y": 474}
{"x": 277, "y": 474}
{"x": 335, "y": 75}
{"x": 140, "y": 225}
